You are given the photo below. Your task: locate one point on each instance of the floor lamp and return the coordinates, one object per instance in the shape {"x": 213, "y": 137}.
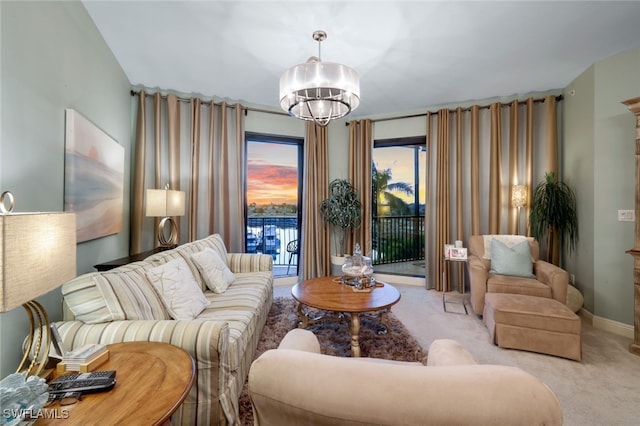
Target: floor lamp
{"x": 37, "y": 255}
{"x": 519, "y": 195}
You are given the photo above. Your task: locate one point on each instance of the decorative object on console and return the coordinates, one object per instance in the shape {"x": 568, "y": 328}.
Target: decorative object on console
{"x": 519, "y": 198}
{"x": 37, "y": 254}
{"x": 319, "y": 91}
{"x": 165, "y": 203}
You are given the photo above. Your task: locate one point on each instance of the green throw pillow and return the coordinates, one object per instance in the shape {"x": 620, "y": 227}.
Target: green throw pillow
{"x": 514, "y": 260}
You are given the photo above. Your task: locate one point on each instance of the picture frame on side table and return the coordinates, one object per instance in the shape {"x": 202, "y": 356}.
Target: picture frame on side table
{"x": 459, "y": 253}
{"x": 447, "y": 250}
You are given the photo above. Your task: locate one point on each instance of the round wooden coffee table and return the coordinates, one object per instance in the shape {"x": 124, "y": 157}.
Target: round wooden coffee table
{"x": 328, "y": 294}
{"x": 153, "y": 379}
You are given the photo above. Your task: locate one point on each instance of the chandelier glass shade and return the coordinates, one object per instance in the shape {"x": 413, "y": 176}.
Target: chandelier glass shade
{"x": 319, "y": 91}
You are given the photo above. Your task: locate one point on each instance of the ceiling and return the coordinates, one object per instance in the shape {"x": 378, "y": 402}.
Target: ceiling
{"x": 410, "y": 55}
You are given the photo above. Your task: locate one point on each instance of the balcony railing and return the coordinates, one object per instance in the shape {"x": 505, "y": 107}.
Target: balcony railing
{"x": 398, "y": 239}
{"x": 395, "y": 239}
{"x": 273, "y": 235}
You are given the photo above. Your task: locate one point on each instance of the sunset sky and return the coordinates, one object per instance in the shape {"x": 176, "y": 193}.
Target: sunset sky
{"x": 400, "y": 161}
{"x": 272, "y": 173}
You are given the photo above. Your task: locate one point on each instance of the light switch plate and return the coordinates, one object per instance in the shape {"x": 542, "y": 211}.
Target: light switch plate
{"x": 626, "y": 215}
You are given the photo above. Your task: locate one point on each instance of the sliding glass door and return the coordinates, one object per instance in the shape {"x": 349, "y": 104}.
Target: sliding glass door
{"x": 273, "y": 194}
{"x": 399, "y": 197}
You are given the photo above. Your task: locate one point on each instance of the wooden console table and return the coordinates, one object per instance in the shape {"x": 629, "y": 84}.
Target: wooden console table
{"x": 153, "y": 379}
{"x": 106, "y": 266}
{"x": 634, "y": 106}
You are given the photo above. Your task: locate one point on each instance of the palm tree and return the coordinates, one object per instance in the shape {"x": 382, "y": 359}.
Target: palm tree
{"x": 385, "y": 192}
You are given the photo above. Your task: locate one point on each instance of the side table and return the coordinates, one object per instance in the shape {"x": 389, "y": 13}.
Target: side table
{"x": 447, "y": 262}
{"x": 153, "y": 380}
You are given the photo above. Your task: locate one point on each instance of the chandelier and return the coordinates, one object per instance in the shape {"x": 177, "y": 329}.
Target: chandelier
{"x": 319, "y": 91}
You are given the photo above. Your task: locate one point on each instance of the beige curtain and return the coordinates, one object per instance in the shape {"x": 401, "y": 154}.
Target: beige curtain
{"x": 314, "y": 248}
{"x": 360, "y": 172}
{"x": 472, "y": 169}
{"x": 195, "y": 146}
{"x": 137, "y": 178}
{"x": 442, "y": 196}
{"x": 552, "y": 166}
{"x": 495, "y": 170}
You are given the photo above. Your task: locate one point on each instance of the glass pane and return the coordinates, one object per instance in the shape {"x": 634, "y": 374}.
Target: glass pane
{"x": 273, "y": 202}
{"x": 399, "y": 185}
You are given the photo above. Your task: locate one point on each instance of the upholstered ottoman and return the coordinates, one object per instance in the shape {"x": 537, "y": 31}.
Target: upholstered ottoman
{"x": 535, "y": 324}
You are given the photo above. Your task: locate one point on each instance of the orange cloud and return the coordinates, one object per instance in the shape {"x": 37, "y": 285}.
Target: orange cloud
{"x": 270, "y": 183}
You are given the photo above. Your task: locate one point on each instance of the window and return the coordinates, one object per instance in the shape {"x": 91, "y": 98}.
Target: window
{"x": 273, "y": 197}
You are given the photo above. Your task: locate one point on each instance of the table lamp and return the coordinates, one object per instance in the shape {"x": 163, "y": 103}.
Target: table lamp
{"x": 519, "y": 198}
{"x": 37, "y": 255}
{"x": 165, "y": 203}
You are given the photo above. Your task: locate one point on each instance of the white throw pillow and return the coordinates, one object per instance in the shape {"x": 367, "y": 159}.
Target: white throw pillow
{"x": 215, "y": 273}
{"x": 507, "y": 240}
{"x": 178, "y": 289}
{"x": 515, "y": 260}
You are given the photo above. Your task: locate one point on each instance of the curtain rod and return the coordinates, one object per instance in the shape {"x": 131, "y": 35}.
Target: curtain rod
{"x": 212, "y": 102}
{"x": 424, "y": 114}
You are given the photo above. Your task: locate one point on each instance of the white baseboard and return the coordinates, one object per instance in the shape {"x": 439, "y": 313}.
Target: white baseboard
{"x": 277, "y": 281}
{"x": 615, "y": 327}
{"x": 400, "y": 279}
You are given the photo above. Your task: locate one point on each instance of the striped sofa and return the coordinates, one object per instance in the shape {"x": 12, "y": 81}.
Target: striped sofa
{"x": 121, "y": 305}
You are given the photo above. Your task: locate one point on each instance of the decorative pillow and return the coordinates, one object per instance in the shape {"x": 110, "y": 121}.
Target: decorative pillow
{"x": 215, "y": 273}
{"x": 507, "y": 240}
{"x": 91, "y": 300}
{"x": 178, "y": 289}
{"x": 514, "y": 260}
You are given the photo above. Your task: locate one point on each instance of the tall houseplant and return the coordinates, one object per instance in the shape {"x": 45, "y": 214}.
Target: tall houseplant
{"x": 342, "y": 211}
{"x": 553, "y": 214}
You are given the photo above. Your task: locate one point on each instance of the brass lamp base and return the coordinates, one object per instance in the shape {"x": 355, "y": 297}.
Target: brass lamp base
{"x": 38, "y": 341}
{"x": 171, "y": 239}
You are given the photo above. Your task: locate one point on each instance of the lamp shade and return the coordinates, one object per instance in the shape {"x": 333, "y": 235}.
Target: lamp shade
{"x": 37, "y": 255}
{"x": 165, "y": 202}
{"x": 519, "y": 195}
{"x": 319, "y": 91}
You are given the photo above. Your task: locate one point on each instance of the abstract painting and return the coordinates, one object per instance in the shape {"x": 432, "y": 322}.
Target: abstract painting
{"x": 94, "y": 178}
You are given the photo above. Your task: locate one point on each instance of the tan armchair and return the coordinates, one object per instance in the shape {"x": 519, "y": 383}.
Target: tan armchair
{"x": 548, "y": 281}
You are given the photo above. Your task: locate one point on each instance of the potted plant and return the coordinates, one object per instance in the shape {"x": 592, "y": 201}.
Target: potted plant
{"x": 342, "y": 211}
{"x": 553, "y": 214}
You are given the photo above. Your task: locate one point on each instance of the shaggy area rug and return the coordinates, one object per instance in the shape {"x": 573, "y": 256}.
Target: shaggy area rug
{"x": 335, "y": 340}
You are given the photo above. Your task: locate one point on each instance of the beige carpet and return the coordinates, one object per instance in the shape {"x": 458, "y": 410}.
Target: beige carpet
{"x": 603, "y": 389}
{"x": 335, "y": 340}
